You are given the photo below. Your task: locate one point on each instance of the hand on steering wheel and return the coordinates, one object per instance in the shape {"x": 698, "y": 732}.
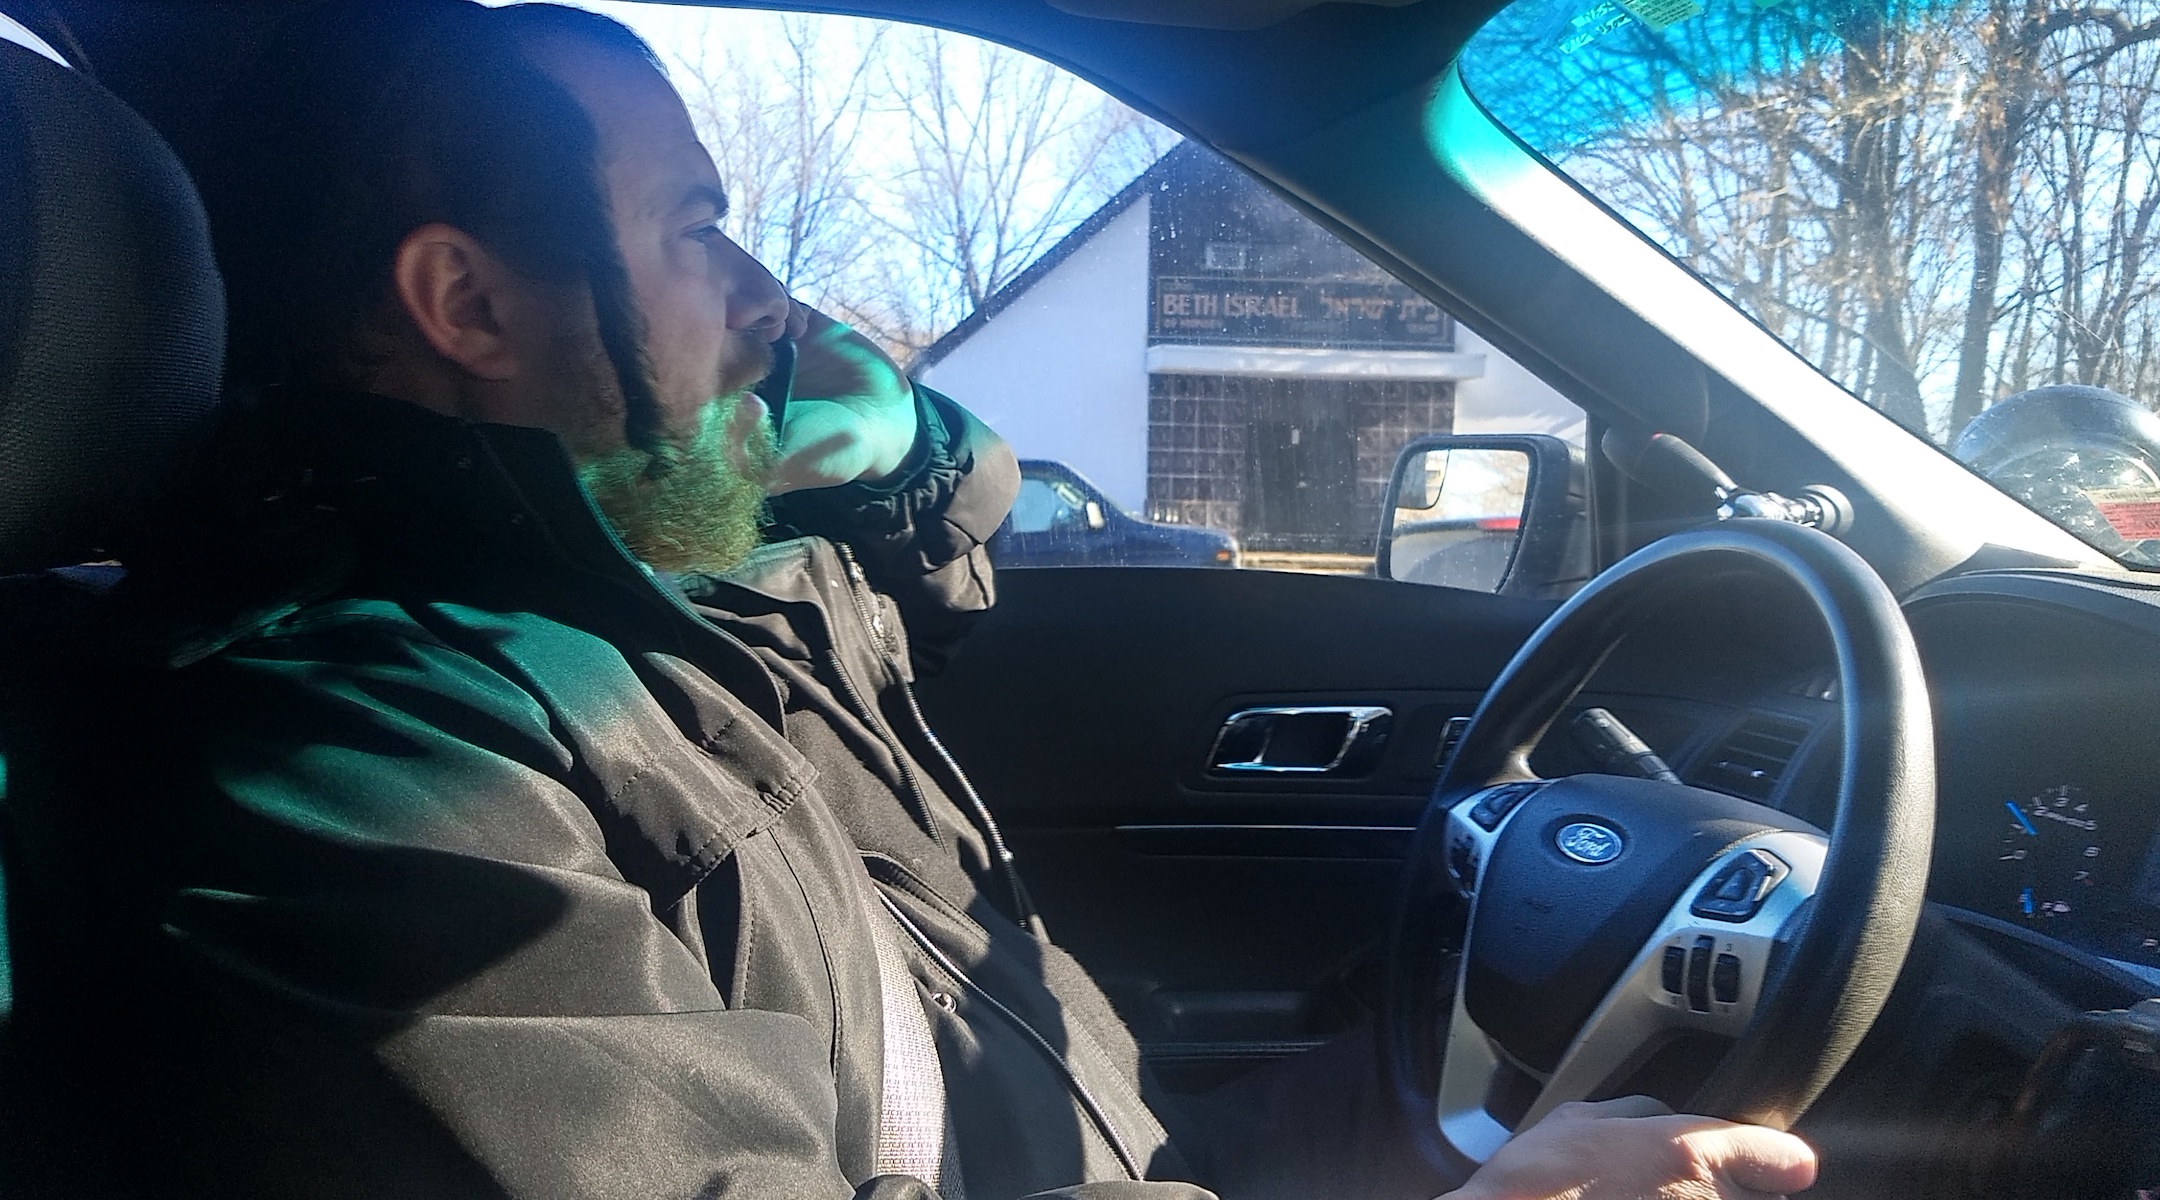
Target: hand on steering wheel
{"x": 1637, "y": 1149}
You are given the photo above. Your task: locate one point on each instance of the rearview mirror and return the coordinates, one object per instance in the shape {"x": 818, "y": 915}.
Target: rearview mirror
{"x": 1095, "y": 519}
{"x": 1500, "y": 514}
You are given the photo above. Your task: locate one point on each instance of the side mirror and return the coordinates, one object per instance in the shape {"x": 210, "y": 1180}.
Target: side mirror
{"x": 1490, "y": 513}
{"x": 1095, "y": 519}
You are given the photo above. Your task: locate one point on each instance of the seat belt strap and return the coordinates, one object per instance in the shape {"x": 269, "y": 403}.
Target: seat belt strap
{"x": 914, "y": 1134}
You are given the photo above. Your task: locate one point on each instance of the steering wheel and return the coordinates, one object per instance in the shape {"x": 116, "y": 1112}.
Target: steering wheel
{"x": 1620, "y": 929}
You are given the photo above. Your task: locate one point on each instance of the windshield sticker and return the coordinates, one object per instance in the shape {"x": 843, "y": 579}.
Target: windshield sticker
{"x": 1593, "y": 23}
{"x": 2134, "y": 513}
{"x": 1660, "y": 15}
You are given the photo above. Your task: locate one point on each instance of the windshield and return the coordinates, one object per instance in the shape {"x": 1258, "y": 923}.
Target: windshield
{"x": 1951, "y": 207}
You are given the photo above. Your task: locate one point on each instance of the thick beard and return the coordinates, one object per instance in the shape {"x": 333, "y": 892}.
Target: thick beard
{"x": 696, "y": 508}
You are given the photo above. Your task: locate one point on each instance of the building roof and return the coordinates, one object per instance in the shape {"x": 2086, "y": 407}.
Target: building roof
{"x": 1040, "y": 269}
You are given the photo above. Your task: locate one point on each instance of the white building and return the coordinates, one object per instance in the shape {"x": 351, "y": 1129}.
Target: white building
{"x": 1206, "y": 354}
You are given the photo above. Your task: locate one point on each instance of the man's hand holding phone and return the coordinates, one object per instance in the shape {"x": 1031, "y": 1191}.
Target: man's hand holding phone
{"x": 851, "y": 413}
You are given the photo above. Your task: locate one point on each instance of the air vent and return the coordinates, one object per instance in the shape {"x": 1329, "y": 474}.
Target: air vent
{"x": 1753, "y": 758}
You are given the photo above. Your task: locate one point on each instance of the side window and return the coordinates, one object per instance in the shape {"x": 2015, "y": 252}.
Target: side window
{"x": 1193, "y": 372}
{"x": 1043, "y": 506}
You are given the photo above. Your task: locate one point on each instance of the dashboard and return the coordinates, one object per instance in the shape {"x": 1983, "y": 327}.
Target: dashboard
{"x": 2046, "y": 692}
{"x": 2045, "y": 879}
{"x": 2047, "y": 701}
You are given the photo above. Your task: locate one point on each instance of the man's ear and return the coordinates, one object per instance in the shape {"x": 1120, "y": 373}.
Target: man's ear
{"x": 458, "y": 295}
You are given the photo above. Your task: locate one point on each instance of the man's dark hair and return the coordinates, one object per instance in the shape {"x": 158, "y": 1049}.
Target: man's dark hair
{"x": 363, "y": 121}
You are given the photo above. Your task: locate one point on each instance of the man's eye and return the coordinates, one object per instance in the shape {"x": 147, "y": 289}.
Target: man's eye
{"x": 708, "y": 231}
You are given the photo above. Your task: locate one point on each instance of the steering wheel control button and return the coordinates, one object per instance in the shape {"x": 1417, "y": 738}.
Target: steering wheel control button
{"x": 1740, "y": 886}
{"x": 1674, "y": 969}
{"x": 1462, "y": 863}
{"x": 1725, "y": 979}
{"x": 1589, "y": 843}
{"x": 1494, "y": 806}
{"x": 1698, "y": 974}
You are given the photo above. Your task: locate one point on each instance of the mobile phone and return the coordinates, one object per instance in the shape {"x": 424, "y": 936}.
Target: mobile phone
{"x": 774, "y": 388}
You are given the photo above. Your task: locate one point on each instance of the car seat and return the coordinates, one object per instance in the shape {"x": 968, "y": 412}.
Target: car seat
{"x": 111, "y": 346}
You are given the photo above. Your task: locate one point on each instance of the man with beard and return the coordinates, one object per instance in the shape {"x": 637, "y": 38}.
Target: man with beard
{"x": 530, "y": 821}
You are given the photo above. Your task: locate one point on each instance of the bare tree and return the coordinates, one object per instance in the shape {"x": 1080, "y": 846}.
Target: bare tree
{"x": 1937, "y": 201}
{"x": 897, "y": 177}
{"x": 787, "y": 132}
{"x": 1007, "y": 154}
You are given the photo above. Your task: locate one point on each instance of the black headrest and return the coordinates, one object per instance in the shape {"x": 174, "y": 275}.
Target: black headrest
{"x": 112, "y": 320}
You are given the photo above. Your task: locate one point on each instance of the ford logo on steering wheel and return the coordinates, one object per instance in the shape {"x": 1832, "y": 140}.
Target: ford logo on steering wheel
{"x": 1589, "y": 842}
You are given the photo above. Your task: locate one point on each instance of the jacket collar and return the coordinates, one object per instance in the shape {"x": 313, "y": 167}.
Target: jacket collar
{"x": 301, "y": 496}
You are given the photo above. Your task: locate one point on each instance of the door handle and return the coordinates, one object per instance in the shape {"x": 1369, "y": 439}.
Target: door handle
{"x": 1335, "y": 739}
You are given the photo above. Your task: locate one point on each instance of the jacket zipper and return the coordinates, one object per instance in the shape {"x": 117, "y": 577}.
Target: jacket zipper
{"x": 1079, "y": 1088}
{"x": 916, "y": 798}
{"x": 1023, "y": 911}
{"x": 868, "y": 712}
{"x": 858, "y": 583}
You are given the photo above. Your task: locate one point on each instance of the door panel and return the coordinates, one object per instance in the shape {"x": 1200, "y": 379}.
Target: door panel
{"x": 1214, "y": 909}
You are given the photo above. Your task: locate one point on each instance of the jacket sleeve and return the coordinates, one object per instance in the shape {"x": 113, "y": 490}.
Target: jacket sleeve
{"x": 921, "y": 538}
{"x": 397, "y": 960}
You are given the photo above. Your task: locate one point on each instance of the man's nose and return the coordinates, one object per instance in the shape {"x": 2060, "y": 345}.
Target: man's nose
{"x": 756, "y": 303}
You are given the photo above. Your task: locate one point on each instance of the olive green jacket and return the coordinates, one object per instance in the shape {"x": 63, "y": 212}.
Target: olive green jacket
{"x": 429, "y": 845}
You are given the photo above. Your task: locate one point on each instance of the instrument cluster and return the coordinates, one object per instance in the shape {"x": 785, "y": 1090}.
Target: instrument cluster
{"x": 2046, "y": 696}
{"x": 2078, "y": 865}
